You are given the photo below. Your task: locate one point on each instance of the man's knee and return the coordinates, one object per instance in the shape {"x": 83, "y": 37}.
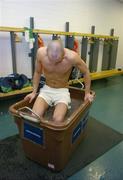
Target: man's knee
{"x": 58, "y": 118}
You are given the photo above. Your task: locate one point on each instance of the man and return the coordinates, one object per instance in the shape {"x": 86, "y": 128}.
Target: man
{"x": 56, "y": 63}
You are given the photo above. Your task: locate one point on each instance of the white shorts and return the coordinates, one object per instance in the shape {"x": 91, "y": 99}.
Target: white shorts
{"x": 53, "y": 96}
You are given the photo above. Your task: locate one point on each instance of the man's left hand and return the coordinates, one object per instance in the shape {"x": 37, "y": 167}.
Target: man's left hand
{"x": 89, "y": 97}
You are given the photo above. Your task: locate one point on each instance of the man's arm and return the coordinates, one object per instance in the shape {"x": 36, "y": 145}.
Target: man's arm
{"x": 38, "y": 72}
{"x": 80, "y": 64}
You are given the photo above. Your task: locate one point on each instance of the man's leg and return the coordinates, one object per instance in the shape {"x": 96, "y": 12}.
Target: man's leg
{"x": 40, "y": 106}
{"x": 59, "y": 112}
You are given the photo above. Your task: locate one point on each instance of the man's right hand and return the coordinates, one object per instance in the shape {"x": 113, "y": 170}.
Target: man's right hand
{"x": 30, "y": 97}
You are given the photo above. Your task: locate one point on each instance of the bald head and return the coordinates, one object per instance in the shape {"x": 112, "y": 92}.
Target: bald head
{"x": 55, "y": 50}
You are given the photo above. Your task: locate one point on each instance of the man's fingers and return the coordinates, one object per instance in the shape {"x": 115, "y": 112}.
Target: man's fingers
{"x": 30, "y": 100}
{"x": 26, "y": 97}
{"x": 29, "y": 97}
{"x": 90, "y": 98}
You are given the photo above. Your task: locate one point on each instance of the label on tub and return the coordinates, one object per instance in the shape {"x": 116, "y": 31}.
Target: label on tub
{"x": 51, "y": 166}
{"x": 33, "y": 133}
{"x": 80, "y": 127}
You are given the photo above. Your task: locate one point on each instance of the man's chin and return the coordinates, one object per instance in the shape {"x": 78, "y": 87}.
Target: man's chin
{"x": 56, "y": 60}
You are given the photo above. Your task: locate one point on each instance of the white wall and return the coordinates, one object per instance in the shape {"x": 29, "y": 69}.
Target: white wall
{"x": 52, "y": 14}
{"x": 0, "y": 25}
{"x": 0, "y": 12}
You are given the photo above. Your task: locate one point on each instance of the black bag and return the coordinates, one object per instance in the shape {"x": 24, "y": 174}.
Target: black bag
{"x": 13, "y": 82}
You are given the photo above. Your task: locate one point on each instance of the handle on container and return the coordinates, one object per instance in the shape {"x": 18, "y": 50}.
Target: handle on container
{"x": 36, "y": 118}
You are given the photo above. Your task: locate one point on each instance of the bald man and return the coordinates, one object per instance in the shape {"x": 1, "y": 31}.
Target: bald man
{"x": 56, "y": 62}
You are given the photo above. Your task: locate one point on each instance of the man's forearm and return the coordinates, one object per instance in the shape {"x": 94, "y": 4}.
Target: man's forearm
{"x": 87, "y": 81}
{"x": 36, "y": 80}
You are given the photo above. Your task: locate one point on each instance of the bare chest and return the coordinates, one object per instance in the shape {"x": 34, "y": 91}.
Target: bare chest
{"x": 59, "y": 68}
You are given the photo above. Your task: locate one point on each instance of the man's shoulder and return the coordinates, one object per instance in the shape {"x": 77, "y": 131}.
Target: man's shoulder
{"x": 70, "y": 54}
{"x": 42, "y": 50}
{"x": 41, "y": 53}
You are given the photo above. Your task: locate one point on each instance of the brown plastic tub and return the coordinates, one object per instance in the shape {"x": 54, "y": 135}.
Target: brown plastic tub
{"x": 49, "y": 144}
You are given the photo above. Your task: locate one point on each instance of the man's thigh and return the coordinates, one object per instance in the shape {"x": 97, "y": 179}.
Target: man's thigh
{"x": 40, "y": 106}
{"x": 60, "y": 112}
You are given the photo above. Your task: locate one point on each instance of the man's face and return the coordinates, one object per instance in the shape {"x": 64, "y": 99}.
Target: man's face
{"x": 55, "y": 52}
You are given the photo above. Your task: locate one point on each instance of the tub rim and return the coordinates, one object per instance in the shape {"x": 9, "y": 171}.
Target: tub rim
{"x": 49, "y": 124}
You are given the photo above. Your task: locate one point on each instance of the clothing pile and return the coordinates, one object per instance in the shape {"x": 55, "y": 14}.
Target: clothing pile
{"x": 13, "y": 82}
